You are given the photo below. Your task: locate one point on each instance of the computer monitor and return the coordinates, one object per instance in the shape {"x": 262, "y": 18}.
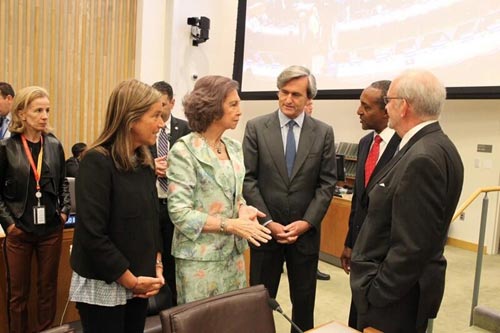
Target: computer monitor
{"x": 70, "y": 223}
{"x": 340, "y": 167}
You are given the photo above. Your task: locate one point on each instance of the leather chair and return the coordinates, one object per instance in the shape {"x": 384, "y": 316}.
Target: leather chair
{"x": 157, "y": 303}
{"x": 242, "y": 311}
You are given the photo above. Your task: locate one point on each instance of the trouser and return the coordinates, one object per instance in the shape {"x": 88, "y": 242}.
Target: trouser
{"x": 397, "y": 317}
{"x": 19, "y": 247}
{"x": 266, "y": 267}
{"x": 128, "y": 318}
{"x": 353, "y": 316}
{"x": 167, "y": 228}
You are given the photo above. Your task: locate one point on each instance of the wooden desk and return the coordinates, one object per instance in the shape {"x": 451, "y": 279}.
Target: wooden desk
{"x": 63, "y": 282}
{"x": 334, "y": 229}
{"x": 333, "y": 327}
{"x": 336, "y": 327}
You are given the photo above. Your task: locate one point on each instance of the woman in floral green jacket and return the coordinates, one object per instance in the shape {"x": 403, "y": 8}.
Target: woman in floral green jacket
{"x": 205, "y": 173}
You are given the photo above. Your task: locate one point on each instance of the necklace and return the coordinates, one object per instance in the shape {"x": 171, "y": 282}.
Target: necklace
{"x": 216, "y": 146}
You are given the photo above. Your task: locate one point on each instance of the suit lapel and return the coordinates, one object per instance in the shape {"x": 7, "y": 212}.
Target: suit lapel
{"x": 208, "y": 160}
{"x": 433, "y": 127}
{"x": 388, "y": 154}
{"x": 174, "y": 130}
{"x": 363, "y": 154}
{"x": 274, "y": 143}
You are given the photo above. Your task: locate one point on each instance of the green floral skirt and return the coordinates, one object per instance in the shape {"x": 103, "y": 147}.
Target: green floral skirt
{"x": 201, "y": 279}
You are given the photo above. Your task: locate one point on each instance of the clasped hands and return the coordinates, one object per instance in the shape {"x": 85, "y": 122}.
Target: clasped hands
{"x": 143, "y": 286}
{"x": 288, "y": 234}
{"x": 148, "y": 286}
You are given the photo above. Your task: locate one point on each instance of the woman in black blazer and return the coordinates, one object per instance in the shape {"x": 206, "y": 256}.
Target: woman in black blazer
{"x": 116, "y": 254}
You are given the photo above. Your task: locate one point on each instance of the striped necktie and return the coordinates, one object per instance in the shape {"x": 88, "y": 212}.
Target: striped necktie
{"x": 3, "y": 123}
{"x": 162, "y": 150}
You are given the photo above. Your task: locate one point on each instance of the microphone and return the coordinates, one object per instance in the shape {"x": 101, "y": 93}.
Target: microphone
{"x": 276, "y": 307}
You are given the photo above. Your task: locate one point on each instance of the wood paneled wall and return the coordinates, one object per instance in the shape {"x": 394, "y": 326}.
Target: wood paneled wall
{"x": 79, "y": 50}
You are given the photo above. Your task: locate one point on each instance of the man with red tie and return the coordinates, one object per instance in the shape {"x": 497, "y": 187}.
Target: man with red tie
{"x": 374, "y": 151}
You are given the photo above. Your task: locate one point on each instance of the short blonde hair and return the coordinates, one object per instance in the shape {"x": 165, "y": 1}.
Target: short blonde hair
{"x": 21, "y": 102}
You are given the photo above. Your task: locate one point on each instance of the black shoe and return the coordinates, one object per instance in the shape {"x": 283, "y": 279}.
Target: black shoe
{"x": 322, "y": 276}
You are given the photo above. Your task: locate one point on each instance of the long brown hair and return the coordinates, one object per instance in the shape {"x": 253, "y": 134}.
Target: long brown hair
{"x": 128, "y": 102}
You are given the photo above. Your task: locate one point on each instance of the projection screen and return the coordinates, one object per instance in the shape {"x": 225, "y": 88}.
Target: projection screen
{"x": 348, "y": 44}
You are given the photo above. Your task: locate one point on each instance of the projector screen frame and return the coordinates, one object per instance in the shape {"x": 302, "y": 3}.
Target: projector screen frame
{"x": 476, "y": 92}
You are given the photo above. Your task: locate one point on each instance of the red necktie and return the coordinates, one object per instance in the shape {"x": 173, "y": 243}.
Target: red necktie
{"x": 372, "y": 158}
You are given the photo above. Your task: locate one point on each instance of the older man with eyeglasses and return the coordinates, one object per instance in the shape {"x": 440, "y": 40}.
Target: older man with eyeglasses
{"x": 397, "y": 264}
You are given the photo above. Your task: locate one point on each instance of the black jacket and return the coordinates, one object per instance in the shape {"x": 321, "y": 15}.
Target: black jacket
{"x": 359, "y": 203}
{"x": 118, "y": 225}
{"x": 15, "y": 173}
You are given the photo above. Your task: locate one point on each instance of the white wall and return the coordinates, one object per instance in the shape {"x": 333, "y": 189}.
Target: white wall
{"x": 467, "y": 123}
{"x": 151, "y": 40}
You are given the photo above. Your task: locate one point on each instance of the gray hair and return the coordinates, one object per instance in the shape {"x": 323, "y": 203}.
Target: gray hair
{"x": 423, "y": 91}
{"x": 295, "y": 72}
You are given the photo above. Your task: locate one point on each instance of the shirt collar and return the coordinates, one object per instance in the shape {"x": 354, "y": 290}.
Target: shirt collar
{"x": 386, "y": 134}
{"x": 413, "y": 131}
{"x": 167, "y": 124}
{"x": 284, "y": 119}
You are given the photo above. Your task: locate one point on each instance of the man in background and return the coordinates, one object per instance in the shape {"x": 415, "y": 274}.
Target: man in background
{"x": 397, "y": 264}
{"x": 6, "y": 96}
{"x": 73, "y": 163}
{"x": 290, "y": 176}
{"x": 374, "y": 151}
{"x": 173, "y": 130}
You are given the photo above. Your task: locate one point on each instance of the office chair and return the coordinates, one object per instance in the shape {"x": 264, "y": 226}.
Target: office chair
{"x": 242, "y": 311}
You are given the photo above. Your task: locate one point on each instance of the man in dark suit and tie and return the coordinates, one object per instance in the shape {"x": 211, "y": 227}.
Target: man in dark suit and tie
{"x": 290, "y": 176}
{"x": 397, "y": 264}
{"x": 173, "y": 130}
{"x": 380, "y": 144}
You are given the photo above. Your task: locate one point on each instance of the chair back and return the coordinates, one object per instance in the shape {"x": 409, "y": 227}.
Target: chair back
{"x": 241, "y": 311}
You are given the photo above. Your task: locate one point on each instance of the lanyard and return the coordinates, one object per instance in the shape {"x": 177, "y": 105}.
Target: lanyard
{"x": 37, "y": 171}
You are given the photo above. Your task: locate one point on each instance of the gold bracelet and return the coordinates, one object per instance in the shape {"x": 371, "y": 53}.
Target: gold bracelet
{"x": 223, "y": 225}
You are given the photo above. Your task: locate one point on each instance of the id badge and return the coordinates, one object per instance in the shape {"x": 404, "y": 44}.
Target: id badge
{"x": 39, "y": 215}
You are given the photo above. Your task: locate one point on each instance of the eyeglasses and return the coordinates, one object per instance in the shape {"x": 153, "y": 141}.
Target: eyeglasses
{"x": 282, "y": 94}
{"x": 387, "y": 99}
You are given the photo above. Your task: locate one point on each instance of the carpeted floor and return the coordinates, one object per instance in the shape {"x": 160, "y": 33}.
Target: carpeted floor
{"x": 333, "y": 297}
